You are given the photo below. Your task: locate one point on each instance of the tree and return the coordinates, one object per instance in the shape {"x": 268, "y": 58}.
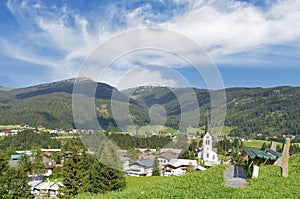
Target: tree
{"x": 3, "y": 163}
{"x": 190, "y": 168}
{"x": 16, "y": 184}
{"x": 37, "y": 165}
{"x": 3, "y": 170}
{"x": 84, "y": 173}
{"x": 25, "y": 164}
{"x": 13, "y": 181}
{"x": 155, "y": 170}
{"x": 111, "y": 179}
{"x": 73, "y": 174}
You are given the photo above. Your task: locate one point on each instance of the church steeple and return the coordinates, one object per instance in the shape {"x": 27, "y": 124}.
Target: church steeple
{"x": 207, "y": 125}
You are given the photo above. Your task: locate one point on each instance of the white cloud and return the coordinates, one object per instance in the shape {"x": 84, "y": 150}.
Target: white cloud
{"x": 223, "y": 28}
{"x": 228, "y": 27}
{"x": 136, "y": 77}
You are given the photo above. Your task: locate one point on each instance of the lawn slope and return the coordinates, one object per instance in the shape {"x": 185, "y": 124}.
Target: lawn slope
{"x": 210, "y": 184}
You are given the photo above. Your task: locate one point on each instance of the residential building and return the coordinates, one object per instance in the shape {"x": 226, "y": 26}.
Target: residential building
{"x": 177, "y": 167}
{"x": 140, "y": 168}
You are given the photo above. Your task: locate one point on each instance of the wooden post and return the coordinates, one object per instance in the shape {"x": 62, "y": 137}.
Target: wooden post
{"x": 283, "y": 161}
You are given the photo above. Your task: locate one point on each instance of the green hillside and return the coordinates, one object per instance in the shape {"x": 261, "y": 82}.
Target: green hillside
{"x": 210, "y": 184}
{"x": 50, "y": 104}
{"x": 250, "y": 111}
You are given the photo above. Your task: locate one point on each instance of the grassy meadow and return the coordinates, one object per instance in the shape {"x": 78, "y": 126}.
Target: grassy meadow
{"x": 211, "y": 184}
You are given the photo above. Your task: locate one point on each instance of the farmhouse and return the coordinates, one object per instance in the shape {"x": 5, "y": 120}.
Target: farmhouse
{"x": 140, "y": 168}
{"x": 177, "y": 167}
{"x": 45, "y": 189}
{"x": 166, "y": 155}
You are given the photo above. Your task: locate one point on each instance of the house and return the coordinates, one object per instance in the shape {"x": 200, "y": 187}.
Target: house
{"x": 50, "y": 150}
{"x": 177, "y": 167}
{"x": 145, "y": 156}
{"x": 16, "y": 156}
{"x": 140, "y": 168}
{"x": 40, "y": 128}
{"x": 46, "y": 189}
{"x": 125, "y": 161}
{"x": 165, "y": 156}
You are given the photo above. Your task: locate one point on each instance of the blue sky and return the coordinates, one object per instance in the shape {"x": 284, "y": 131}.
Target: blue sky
{"x": 253, "y": 43}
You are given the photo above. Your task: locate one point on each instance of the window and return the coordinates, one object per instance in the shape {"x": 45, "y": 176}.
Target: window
{"x": 213, "y": 157}
{"x": 207, "y": 155}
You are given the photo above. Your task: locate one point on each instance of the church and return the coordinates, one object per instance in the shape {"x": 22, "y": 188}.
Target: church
{"x": 207, "y": 153}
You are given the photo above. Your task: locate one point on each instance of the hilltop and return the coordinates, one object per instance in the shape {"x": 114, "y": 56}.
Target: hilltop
{"x": 211, "y": 184}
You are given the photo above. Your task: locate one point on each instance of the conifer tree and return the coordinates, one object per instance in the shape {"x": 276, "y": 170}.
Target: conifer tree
{"x": 13, "y": 181}
{"x": 101, "y": 178}
{"x": 155, "y": 170}
{"x": 3, "y": 170}
{"x": 73, "y": 173}
{"x": 111, "y": 179}
{"x": 16, "y": 184}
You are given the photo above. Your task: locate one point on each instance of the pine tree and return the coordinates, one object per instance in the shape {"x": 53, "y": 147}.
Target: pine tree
{"x": 17, "y": 184}
{"x": 3, "y": 163}
{"x": 92, "y": 180}
{"x": 13, "y": 182}
{"x": 3, "y": 170}
{"x": 111, "y": 179}
{"x": 155, "y": 170}
{"x": 25, "y": 164}
{"x": 37, "y": 165}
{"x": 101, "y": 178}
{"x": 73, "y": 173}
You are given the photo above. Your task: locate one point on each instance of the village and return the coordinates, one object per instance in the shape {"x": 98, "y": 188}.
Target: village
{"x": 166, "y": 161}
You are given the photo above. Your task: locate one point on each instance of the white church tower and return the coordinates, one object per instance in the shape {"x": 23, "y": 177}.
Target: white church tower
{"x": 208, "y": 154}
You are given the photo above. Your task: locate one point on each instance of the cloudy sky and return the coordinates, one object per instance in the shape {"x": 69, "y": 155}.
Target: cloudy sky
{"x": 252, "y": 43}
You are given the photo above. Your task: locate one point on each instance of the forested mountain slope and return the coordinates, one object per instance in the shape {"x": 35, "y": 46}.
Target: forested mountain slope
{"x": 250, "y": 111}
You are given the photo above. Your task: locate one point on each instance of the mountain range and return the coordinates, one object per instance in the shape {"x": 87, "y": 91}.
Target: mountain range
{"x": 250, "y": 111}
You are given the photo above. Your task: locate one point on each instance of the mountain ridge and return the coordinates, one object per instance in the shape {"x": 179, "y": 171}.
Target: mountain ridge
{"x": 250, "y": 111}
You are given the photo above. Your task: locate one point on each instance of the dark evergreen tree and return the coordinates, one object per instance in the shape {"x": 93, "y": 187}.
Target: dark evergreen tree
{"x": 155, "y": 170}
{"x": 16, "y": 184}
{"x": 25, "y": 164}
{"x": 3, "y": 169}
{"x": 111, "y": 179}
{"x": 13, "y": 181}
{"x": 101, "y": 178}
{"x": 73, "y": 174}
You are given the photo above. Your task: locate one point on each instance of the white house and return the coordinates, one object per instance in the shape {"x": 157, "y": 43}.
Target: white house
{"x": 140, "y": 168}
{"x": 45, "y": 189}
{"x": 166, "y": 155}
{"x": 177, "y": 167}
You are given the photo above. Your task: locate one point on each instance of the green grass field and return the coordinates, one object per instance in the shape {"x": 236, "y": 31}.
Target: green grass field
{"x": 255, "y": 143}
{"x": 133, "y": 182}
{"x": 211, "y": 184}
